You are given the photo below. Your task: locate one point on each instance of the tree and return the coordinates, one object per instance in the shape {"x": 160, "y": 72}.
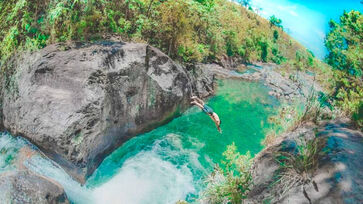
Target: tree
{"x": 344, "y": 42}
{"x": 275, "y": 21}
{"x": 345, "y": 55}
{"x": 245, "y": 3}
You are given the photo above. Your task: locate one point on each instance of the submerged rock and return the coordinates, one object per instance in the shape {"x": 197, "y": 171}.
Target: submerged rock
{"x": 80, "y": 102}
{"x": 26, "y": 187}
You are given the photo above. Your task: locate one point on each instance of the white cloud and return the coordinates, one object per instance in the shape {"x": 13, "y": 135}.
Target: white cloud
{"x": 294, "y": 13}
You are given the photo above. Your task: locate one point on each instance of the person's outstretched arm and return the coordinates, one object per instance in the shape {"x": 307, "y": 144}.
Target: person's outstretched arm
{"x": 216, "y": 123}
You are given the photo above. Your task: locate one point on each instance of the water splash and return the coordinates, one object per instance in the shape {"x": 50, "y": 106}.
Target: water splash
{"x": 46, "y": 167}
{"x": 146, "y": 178}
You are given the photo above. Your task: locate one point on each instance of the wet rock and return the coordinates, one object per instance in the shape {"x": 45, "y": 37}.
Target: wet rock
{"x": 297, "y": 86}
{"x": 79, "y": 102}
{"x": 25, "y": 187}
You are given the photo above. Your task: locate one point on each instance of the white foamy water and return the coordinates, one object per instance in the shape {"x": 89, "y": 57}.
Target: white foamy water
{"x": 74, "y": 190}
{"x": 146, "y": 178}
{"x": 153, "y": 176}
{"x": 11, "y": 159}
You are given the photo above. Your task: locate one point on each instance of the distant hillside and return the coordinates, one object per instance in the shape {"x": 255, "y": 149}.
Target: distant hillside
{"x": 188, "y": 30}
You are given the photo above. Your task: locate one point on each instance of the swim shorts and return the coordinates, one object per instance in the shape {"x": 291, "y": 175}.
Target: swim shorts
{"x": 207, "y": 109}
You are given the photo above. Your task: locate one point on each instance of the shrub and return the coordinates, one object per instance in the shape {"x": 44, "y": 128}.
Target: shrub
{"x": 358, "y": 115}
{"x": 291, "y": 115}
{"x": 276, "y": 35}
{"x": 232, "y": 183}
{"x": 264, "y": 49}
{"x": 286, "y": 118}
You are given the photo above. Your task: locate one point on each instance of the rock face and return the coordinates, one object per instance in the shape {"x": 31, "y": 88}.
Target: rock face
{"x": 25, "y": 187}
{"x": 79, "y": 102}
{"x": 338, "y": 178}
{"x": 299, "y": 85}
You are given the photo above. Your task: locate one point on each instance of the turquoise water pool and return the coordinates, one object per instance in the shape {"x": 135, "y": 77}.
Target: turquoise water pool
{"x": 169, "y": 163}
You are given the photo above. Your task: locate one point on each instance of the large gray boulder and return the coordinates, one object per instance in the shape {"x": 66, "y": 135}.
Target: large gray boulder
{"x": 25, "y": 187}
{"x": 79, "y": 102}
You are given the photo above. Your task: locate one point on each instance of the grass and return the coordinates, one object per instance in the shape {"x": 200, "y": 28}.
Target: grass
{"x": 292, "y": 115}
{"x": 297, "y": 168}
{"x": 286, "y": 119}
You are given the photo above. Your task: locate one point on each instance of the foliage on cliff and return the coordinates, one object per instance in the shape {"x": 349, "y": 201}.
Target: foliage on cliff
{"x": 232, "y": 183}
{"x": 344, "y": 44}
{"x": 188, "y": 30}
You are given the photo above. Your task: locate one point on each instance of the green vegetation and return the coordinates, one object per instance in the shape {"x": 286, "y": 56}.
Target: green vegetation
{"x": 230, "y": 184}
{"x": 188, "y": 30}
{"x": 344, "y": 43}
{"x": 306, "y": 159}
{"x": 275, "y": 21}
{"x": 245, "y": 3}
{"x": 292, "y": 115}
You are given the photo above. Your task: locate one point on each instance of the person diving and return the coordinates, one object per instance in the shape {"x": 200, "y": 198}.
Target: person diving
{"x": 208, "y": 110}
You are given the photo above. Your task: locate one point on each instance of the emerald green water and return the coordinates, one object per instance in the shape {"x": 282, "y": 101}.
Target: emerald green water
{"x": 170, "y": 162}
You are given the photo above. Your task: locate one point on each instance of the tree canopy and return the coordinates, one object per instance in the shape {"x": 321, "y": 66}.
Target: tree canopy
{"x": 344, "y": 42}
{"x": 345, "y": 55}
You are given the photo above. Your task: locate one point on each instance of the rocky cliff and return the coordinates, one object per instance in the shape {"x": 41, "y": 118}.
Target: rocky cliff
{"x": 78, "y": 102}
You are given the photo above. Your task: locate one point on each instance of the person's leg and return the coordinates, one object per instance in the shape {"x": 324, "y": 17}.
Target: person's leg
{"x": 200, "y": 101}
{"x": 197, "y": 104}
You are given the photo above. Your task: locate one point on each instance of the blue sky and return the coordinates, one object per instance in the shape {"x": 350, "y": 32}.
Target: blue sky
{"x": 306, "y": 20}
